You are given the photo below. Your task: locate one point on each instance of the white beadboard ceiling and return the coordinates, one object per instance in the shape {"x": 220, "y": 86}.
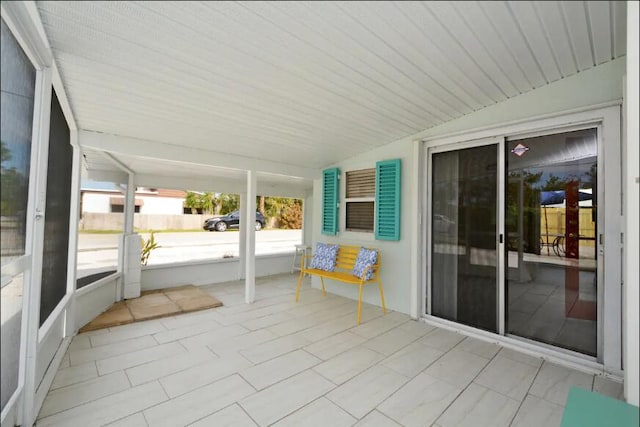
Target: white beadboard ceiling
{"x": 310, "y": 83}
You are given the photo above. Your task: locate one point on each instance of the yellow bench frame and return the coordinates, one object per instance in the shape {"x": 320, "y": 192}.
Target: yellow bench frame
{"x": 345, "y": 261}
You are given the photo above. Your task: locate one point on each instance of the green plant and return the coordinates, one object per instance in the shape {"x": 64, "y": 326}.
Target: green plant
{"x": 147, "y": 247}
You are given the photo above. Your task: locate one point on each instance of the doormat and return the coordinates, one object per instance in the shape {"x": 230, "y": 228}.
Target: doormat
{"x": 153, "y": 305}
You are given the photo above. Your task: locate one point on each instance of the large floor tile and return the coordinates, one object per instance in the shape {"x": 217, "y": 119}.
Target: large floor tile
{"x": 123, "y": 333}
{"x": 283, "y": 398}
{"x": 135, "y": 420}
{"x": 478, "y": 347}
{"x": 508, "y": 377}
{"x": 186, "y": 331}
{"x": 128, "y": 360}
{"x": 536, "y": 412}
{"x": 231, "y": 416}
{"x": 442, "y": 339}
{"x": 457, "y": 367}
{"x": 608, "y": 387}
{"x": 380, "y": 325}
{"x": 364, "y": 392}
{"x": 412, "y": 359}
{"x": 420, "y": 402}
{"x": 74, "y": 374}
{"x": 376, "y": 419}
{"x": 334, "y": 345}
{"x": 416, "y": 328}
{"x": 479, "y": 406}
{"x": 390, "y": 341}
{"x": 553, "y": 383}
{"x": 521, "y": 357}
{"x": 199, "y": 403}
{"x": 232, "y": 345}
{"x": 274, "y": 348}
{"x": 100, "y": 412}
{"x": 347, "y": 365}
{"x": 213, "y": 337}
{"x": 275, "y": 370}
{"x": 161, "y": 368}
{"x": 201, "y": 375}
{"x": 105, "y": 351}
{"x": 319, "y": 413}
{"x": 77, "y": 394}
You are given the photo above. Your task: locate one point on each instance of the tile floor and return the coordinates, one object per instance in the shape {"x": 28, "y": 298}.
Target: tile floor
{"x": 279, "y": 363}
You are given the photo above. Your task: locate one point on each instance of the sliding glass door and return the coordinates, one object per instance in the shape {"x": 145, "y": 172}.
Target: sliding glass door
{"x": 511, "y": 237}
{"x": 464, "y": 236}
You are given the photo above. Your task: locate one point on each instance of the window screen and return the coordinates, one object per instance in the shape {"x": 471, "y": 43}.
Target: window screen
{"x": 360, "y": 199}
{"x": 56, "y": 226}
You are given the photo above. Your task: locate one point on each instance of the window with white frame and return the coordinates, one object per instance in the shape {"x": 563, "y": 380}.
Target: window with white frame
{"x": 360, "y": 199}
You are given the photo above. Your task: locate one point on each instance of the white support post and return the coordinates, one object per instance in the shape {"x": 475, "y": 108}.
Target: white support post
{"x": 130, "y": 205}
{"x": 131, "y": 247}
{"x": 74, "y": 219}
{"x": 631, "y": 192}
{"x": 247, "y": 222}
{"x": 35, "y": 238}
{"x": 242, "y": 241}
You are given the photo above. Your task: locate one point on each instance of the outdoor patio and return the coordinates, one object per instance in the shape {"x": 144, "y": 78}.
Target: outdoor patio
{"x": 276, "y": 362}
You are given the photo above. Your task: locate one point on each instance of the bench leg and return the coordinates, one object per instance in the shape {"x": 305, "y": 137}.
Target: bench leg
{"x": 324, "y": 292}
{"x": 359, "y": 303}
{"x": 299, "y": 284}
{"x": 384, "y": 307}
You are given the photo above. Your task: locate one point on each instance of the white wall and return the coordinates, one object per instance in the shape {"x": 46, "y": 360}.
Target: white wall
{"x": 98, "y": 203}
{"x": 161, "y": 205}
{"x": 598, "y": 85}
{"x": 95, "y": 298}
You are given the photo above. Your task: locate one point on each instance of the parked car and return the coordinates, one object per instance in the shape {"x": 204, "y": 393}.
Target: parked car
{"x": 231, "y": 220}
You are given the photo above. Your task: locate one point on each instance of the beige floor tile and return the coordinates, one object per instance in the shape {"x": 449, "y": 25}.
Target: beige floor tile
{"x": 478, "y": 347}
{"x": 390, "y": 341}
{"x": 135, "y": 420}
{"x": 164, "y": 367}
{"x": 74, "y": 374}
{"x": 75, "y": 395}
{"x": 135, "y": 358}
{"x": 364, "y": 392}
{"x": 608, "y": 387}
{"x": 283, "y": 398}
{"x": 231, "y": 416}
{"x": 319, "y": 413}
{"x": 553, "y": 383}
{"x": 412, "y": 359}
{"x": 213, "y": 337}
{"x": 376, "y": 419}
{"x": 199, "y": 403}
{"x": 380, "y": 325}
{"x": 537, "y": 412}
{"x": 190, "y": 298}
{"x": 442, "y": 339}
{"x": 334, "y": 345}
{"x": 111, "y": 350}
{"x": 347, "y": 365}
{"x": 274, "y": 348}
{"x": 233, "y": 345}
{"x": 457, "y": 367}
{"x": 123, "y": 333}
{"x": 275, "y": 370}
{"x": 479, "y": 406}
{"x": 117, "y": 314}
{"x": 100, "y": 412}
{"x": 507, "y": 377}
{"x": 420, "y": 402}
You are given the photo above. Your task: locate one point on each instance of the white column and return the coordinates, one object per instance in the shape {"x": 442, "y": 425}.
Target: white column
{"x": 130, "y": 247}
{"x": 631, "y": 193}
{"x": 242, "y": 241}
{"x": 247, "y": 223}
{"x": 130, "y": 204}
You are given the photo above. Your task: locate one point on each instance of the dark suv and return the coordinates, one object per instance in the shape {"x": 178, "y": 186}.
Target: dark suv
{"x": 230, "y": 221}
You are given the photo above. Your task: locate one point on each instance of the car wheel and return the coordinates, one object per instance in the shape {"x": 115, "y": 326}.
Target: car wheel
{"x": 221, "y": 226}
{"x": 258, "y": 226}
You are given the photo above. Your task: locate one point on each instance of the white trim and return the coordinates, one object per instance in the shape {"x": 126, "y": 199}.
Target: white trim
{"x": 23, "y": 20}
{"x": 503, "y": 128}
{"x": 35, "y": 234}
{"x": 416, "y": 232}
{"x": 117, "y": 163}
{"x": 242, "y": 241}
{"x": 501, "y": 239}
{"x": 146, "y": 148}
{"x": 607, "y": 121}
{"x": 250, "y": 233}
{"x": 74, "y": 219}
{"x": 54, "y": 317}
{"x": 12, "y": 405}
{"x": 556, "y": 355}
{"x": 63, "y": 100}
{"x": 15, "y": 267}
{"x": 50, "y": 373}
{"x": 206, "y": 262}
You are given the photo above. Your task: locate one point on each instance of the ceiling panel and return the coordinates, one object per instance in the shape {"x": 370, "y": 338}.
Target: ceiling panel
{"x": 311, "y": 83}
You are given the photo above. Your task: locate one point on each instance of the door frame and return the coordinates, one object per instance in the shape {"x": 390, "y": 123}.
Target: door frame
{"x": 606, "y": 118}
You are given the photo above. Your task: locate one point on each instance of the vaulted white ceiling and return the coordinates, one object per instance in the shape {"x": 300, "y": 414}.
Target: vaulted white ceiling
{"x": 311, "y": 83}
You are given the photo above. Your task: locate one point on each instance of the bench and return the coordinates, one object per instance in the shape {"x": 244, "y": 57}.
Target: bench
{"x": 345, "y": 260}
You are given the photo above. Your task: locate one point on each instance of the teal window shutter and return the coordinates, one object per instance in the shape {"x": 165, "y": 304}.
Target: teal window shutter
{"x": 388, "y": 200}
{"x": 330, "y": 200}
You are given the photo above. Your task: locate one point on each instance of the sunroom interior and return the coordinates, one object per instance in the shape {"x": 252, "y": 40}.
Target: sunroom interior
{"x": 512, "y": 124}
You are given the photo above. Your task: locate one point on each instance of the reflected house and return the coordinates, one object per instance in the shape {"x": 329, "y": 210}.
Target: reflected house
{"x": 489, "y": 157}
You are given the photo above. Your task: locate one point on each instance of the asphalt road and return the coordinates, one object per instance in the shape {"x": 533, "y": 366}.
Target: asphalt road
{"x": 98, "y": 252}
